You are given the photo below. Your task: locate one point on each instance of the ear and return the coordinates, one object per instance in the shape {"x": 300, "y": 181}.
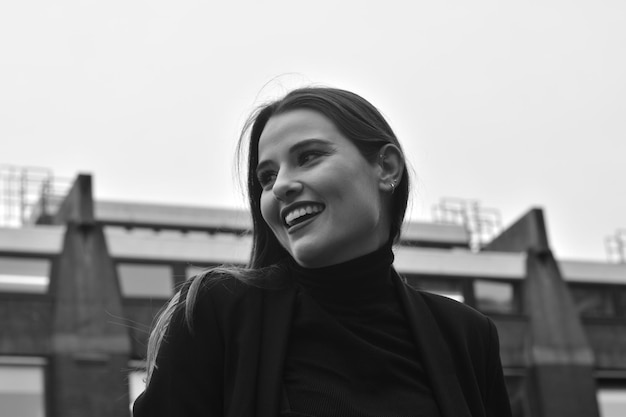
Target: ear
{"x": 391, "y": 162}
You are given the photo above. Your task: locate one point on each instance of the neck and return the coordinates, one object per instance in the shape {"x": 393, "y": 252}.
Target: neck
{"x": 360, "y": 277}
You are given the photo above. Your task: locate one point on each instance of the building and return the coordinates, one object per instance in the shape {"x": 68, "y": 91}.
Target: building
{"x": 81, "y": 283}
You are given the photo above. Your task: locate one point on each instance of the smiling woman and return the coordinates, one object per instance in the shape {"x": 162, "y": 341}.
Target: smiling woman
{"x": 319, "y": 323}
{"x": 323, "y": 201}
{"x": 333, "y": 120}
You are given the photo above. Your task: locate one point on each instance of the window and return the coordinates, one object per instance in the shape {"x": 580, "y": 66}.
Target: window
{"x": 442, "y": 286}
{"x": 26, "y": 275}
{"x": 612, "y": 402}
{"x": 495, "y": 296}
{"x": 620, "y": 295}
{"x": 21, "y": 387}
{"x": 593, "y": 301}
{"x": 145, "y": 280}
{"x": 193, "y": 270}
{"x": 136, "y": 383}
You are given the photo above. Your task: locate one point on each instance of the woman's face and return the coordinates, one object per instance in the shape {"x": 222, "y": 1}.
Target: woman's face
{"x": 323, "y": 201}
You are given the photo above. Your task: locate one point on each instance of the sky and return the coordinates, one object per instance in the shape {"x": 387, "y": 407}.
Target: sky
{"x": 513, "y": 104}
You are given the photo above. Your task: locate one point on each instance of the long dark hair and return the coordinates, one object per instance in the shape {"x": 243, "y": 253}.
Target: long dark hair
{"x": 357, "y": 120}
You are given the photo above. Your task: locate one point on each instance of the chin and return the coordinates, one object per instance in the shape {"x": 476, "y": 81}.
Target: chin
{"x": 311, "y": 257}
{"x": 308, "y": 261}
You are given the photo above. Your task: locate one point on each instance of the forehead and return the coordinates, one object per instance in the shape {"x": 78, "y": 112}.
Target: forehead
{"x": 287, "y": 129}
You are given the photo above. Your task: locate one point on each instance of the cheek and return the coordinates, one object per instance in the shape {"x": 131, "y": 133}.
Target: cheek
{"x": 264, "y": 203}
{"x": 362, "y": 195}
{"x": 269, "y": 210}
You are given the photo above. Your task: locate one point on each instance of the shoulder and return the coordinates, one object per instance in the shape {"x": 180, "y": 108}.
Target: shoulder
{"x": 470, "y": 335}
{"x": 456, "y": 320}
{"x": 217, "y": 288}
{"x": 447, "y": 308}
{"x": 229, "y": 292}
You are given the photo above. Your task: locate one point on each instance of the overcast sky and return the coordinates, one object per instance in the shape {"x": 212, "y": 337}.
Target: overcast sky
{"x": 515, "y": 105}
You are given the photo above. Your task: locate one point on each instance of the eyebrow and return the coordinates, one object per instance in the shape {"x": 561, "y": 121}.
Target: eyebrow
{"x": 295, "y": 148}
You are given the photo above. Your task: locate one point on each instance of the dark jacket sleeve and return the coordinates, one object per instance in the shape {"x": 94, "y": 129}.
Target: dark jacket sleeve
{"x": 188, "y": 379}
{"x": 472, "y": 339}
{"x": 497, "y": 398}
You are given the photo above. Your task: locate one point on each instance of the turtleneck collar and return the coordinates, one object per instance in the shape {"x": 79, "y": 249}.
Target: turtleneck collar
{"x": 358, "y": 278}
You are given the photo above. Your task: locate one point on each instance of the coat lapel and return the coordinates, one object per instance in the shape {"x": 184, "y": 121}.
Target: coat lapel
{"x": 433, "y": 351}
{"x": 277, "y": 314}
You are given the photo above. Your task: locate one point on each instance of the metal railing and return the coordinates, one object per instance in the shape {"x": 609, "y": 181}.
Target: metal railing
{"x": 29, "y": 193}
{"x": 482, "y": 224}
{"x": 616, "y": 246}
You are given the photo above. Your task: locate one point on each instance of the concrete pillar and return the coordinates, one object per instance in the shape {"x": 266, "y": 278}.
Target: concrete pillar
{"x": 560, "y": 361}
{"x": 90, "y": 345}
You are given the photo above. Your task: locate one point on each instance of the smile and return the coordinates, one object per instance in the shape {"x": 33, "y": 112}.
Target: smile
{"x": 302, "y": 213}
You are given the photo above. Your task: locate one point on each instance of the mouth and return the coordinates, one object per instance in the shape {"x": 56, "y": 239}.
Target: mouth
{"x": 301, "y": 213}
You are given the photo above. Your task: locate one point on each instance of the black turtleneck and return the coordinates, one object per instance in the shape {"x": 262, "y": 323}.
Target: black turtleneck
{"x": 351, "y": 352}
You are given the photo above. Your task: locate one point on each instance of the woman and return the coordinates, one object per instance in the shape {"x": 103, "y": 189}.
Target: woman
{"x": 319, "y": 323}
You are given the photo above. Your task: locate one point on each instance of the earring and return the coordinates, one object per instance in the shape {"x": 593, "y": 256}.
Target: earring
{"x": 393, "y": 186}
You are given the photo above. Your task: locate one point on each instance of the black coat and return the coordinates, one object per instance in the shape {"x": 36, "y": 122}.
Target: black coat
{"x": 232, "y": 363}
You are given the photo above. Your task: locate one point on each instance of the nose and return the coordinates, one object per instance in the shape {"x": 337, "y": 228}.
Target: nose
{"x": 286, "y": 187}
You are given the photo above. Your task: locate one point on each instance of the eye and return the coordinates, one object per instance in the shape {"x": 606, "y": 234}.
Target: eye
{"x": 309, "y": 156}
{"x": 266, "y": 178}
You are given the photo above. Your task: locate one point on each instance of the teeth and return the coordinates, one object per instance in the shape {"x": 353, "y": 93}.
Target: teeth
{"x": 299, "y": 212}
